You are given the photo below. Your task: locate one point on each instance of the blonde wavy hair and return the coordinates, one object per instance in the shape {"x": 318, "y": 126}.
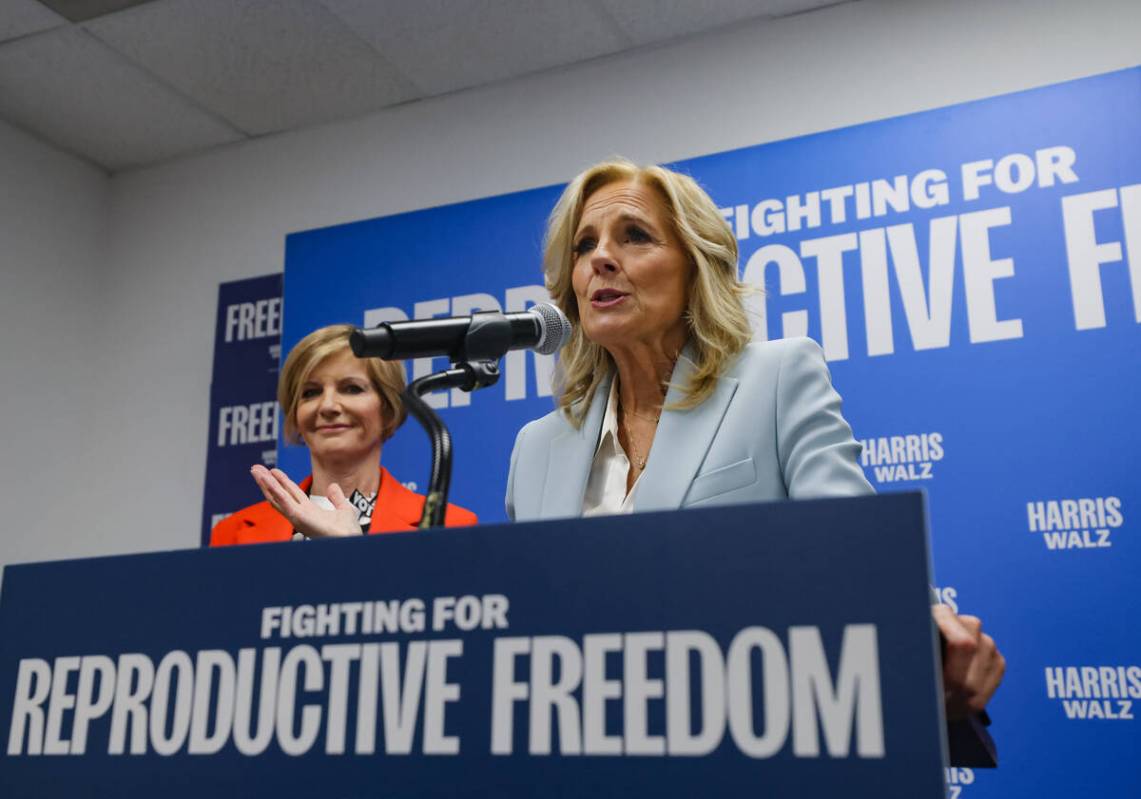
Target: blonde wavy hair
{"x": 387, "y": 378}
{"x": 716, "y": 318}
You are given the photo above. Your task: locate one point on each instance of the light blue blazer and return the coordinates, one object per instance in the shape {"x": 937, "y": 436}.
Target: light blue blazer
{"x": 772, "y": 429}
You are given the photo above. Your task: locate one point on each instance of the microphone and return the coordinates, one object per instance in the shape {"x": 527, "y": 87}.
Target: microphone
{"x": 481, "y": 336}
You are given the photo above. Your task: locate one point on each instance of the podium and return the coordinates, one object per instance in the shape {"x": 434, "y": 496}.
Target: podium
{"x": 772, "y": 650}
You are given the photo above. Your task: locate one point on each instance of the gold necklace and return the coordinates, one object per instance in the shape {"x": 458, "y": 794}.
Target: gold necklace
{"x": 653, "y": 419}
{"x": 639, "y": 461}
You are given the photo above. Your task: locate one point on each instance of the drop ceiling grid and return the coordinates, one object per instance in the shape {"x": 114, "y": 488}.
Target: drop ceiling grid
{"x": 265, "y": 67}
{"x": 23, "y": 17}
{"x": 444, "y": 47}
{"x": 74, "y": 91}
{"x": 170, "y": 77}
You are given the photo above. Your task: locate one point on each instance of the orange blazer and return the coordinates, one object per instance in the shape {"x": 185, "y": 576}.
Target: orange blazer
{"x": 397, "y": 509}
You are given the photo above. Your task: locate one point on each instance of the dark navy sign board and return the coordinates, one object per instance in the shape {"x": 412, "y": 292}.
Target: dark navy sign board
{"x": 243, "y": 394}
{"x": 825, "y": 564}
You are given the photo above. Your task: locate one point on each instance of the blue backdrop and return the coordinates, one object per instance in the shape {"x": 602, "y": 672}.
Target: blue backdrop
{"x": 974, "y": 275}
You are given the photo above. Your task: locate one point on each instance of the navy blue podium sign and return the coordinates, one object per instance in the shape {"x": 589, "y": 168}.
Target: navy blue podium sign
{"x": 764, "y": 650}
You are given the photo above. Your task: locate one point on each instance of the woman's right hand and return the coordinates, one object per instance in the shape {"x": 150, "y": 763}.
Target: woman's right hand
{"x": 290, "y": 501}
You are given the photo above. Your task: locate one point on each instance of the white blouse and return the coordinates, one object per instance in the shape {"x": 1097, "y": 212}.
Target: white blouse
{"x": 606, "y": 485}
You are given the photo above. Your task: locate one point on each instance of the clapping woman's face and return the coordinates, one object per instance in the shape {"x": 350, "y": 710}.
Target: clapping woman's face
{"x": 339, "y": 413}
{"x": 631, "y": 274}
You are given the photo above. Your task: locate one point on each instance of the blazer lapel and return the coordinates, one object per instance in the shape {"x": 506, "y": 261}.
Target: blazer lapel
{"x": 396, "y": 508}
{"x": 569, "y": 459}
{"x": 682, "y": 439}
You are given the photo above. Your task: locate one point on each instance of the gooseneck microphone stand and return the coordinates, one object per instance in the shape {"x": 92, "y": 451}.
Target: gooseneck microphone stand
{"x": 475, "y": 365}
{"x": 466, "y": 376}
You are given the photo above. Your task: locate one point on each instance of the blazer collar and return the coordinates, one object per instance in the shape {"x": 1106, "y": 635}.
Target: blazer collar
{"x": 680, "y": 444}
{"x": 570, "y": 458}
{"x": 396, "y": 507}
{"x": 682, "y": 439}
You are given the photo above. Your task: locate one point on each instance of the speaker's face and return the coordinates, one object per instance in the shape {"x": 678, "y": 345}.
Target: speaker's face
{"x": 631, "y": 273}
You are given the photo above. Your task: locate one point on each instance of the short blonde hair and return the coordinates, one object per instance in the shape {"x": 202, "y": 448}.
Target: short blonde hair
{"x": 716, "y": 319}
{"x": 387, "y": 377}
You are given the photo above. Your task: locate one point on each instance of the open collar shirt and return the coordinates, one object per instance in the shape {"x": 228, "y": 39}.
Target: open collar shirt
{"x": 606, "y": 485}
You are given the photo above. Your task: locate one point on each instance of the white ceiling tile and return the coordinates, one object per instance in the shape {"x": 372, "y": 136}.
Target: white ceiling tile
{"x": 649, "y": 21}
{"x": 264, "y": 66}
{"x": 443, "y": 46}
{"x": 21, "y": 17}
{"x": 72, "y": 90}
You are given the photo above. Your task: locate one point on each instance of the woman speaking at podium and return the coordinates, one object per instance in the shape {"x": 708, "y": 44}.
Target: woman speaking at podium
{"x": 664, "y": 403}
{"x": 343, "y": 409}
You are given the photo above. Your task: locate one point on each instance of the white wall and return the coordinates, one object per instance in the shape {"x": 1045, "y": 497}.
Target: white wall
{"x": 177, "y": 230}
{"x": 53, "y": 223}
